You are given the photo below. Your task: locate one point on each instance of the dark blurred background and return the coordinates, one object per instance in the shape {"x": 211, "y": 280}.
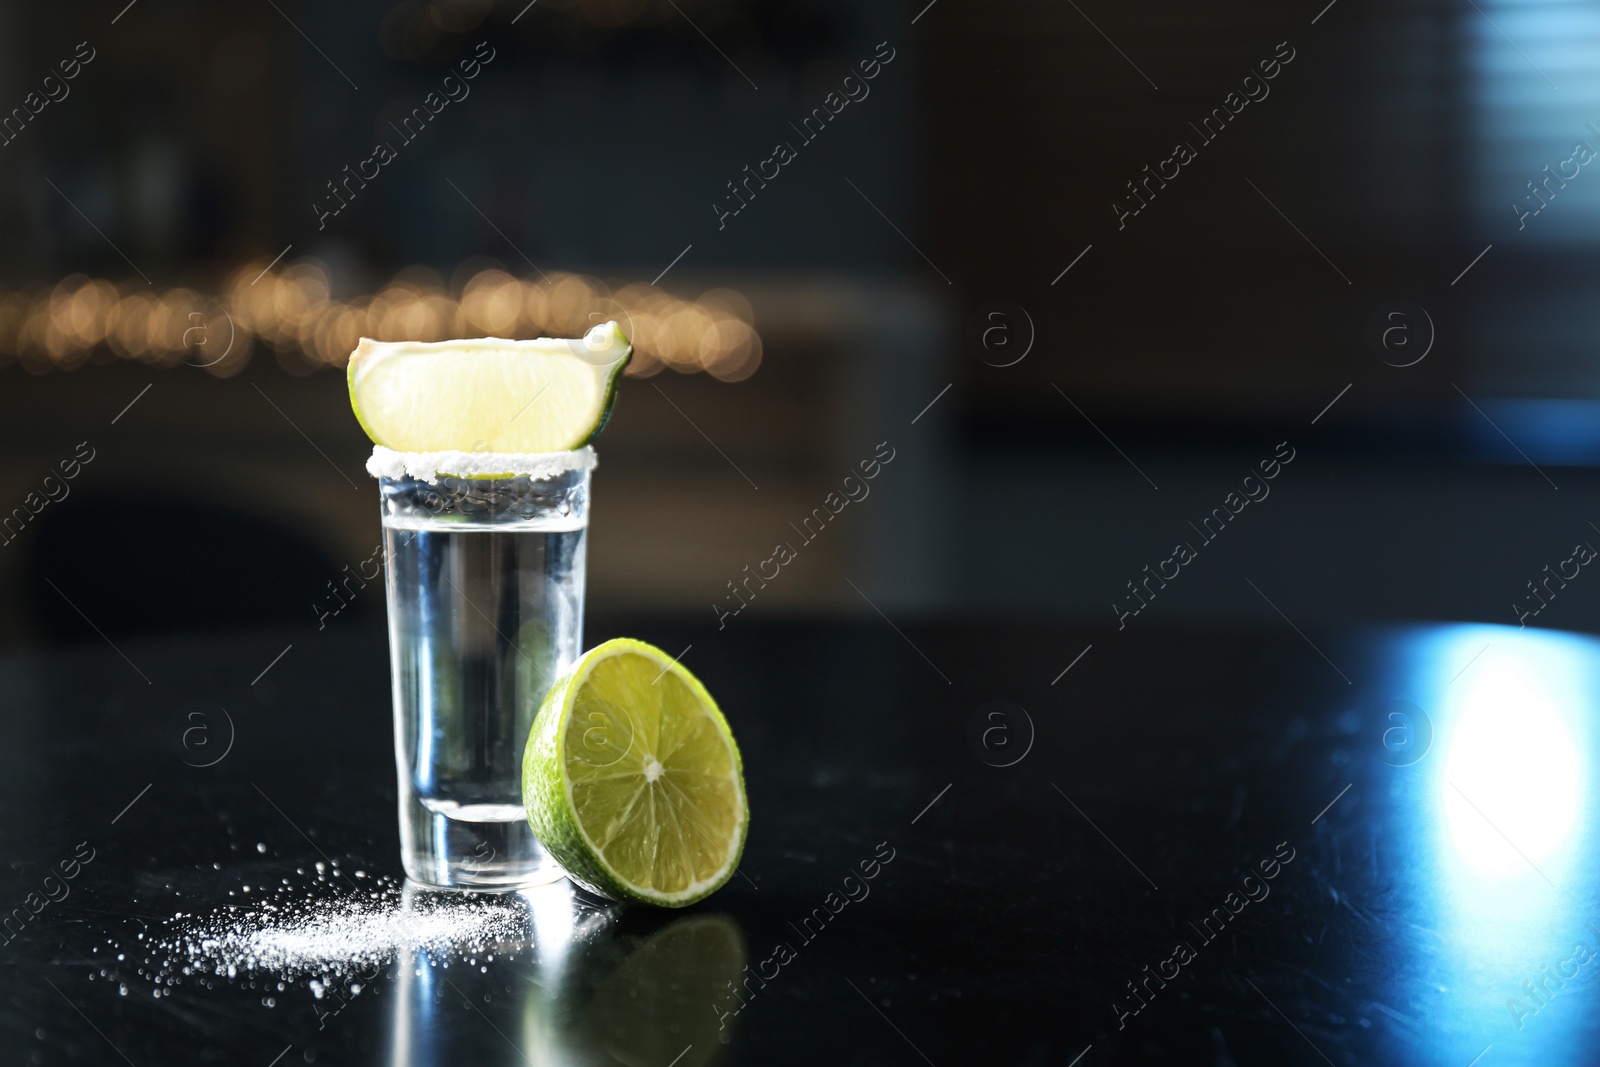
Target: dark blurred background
{"x": 1376, "y": 244}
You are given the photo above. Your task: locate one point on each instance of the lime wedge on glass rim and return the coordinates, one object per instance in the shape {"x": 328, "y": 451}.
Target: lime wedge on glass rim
{"x": 632, "y": 780}
{"x": 487, "y": 395}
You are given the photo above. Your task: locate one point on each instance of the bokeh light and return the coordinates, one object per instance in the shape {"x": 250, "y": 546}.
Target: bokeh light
{"x": 290, "y": 309}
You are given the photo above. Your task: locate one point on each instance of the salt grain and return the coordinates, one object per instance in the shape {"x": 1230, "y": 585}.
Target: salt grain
{"x": 430, "y": 466}
{"x": 316, "y": 932}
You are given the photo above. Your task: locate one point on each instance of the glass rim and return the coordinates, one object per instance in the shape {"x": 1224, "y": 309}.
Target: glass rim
{"x": 433, "y": 466}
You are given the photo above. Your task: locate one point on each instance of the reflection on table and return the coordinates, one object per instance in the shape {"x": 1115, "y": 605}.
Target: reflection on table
{"x": 599, "y": 985}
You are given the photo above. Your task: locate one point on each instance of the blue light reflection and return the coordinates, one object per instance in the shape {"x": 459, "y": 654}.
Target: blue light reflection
{"x": 1501, "y": 831}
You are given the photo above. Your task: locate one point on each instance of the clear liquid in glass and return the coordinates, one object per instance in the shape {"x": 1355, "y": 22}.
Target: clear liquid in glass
{"x": 485, "y": 612}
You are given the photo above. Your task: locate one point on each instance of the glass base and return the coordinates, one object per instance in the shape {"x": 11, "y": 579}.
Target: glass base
{"x": 487, "y": 847}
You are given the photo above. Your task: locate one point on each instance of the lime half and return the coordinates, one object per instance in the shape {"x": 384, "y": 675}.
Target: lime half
{"x": 632, "y": 780}
{"x": 487, "y": 395}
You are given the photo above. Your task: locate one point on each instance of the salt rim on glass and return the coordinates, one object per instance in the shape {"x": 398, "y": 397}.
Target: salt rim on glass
{"x": 429, "y": 466}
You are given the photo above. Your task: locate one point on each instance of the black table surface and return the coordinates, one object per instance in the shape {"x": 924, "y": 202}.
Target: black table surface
{"x": 1186, "y": 846}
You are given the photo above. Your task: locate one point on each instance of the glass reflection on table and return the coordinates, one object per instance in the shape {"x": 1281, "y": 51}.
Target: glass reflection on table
{"x": 598, "y": 985}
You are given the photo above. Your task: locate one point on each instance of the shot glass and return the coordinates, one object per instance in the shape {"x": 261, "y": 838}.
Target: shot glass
{"x": 485, "y": 581}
